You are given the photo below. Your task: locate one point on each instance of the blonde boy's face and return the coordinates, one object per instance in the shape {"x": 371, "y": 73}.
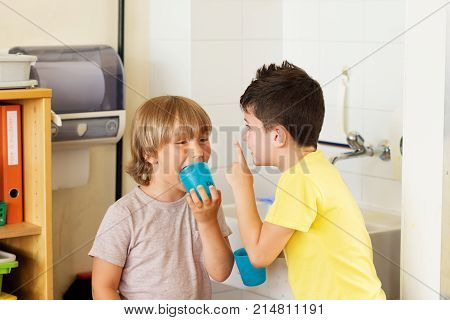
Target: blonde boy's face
{"x": 258, "y": 140}
{"x": 178, "y": 153}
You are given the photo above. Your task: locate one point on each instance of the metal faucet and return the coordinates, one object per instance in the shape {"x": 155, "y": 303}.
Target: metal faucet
{"x": 356, "y": 142}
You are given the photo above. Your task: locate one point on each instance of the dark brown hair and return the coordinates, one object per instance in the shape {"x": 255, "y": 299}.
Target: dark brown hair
{"x": 286, "y": 95}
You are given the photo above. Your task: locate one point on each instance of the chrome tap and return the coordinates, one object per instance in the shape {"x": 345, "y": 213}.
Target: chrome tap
{"x": 359, "y": 149}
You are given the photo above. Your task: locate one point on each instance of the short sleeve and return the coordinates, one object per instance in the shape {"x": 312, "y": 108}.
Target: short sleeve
{"x": 113, "y": 238}
{"x": 296, "y": 202}
{"x": 226, "y": 231}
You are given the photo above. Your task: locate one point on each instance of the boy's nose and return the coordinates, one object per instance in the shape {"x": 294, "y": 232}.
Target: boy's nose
{"x": 196, "y": 153}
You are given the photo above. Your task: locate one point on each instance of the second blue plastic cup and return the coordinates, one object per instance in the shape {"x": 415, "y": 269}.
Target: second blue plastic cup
{"x": 250, "y": 275}
{"x": 196, "y": 174}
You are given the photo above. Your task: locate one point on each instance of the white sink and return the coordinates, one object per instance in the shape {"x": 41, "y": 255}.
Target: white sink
{"x": 384, "y": 231}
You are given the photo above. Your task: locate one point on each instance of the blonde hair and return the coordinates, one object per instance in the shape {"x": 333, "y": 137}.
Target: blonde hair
{"x": 156, "y": 123}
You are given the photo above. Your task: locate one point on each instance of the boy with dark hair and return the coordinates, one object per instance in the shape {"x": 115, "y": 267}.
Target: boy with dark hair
{"x": 314, "y": 219}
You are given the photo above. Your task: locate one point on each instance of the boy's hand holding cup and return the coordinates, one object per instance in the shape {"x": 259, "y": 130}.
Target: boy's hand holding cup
{"x": 204, "y": 209}
{"x": 203, "y": 198}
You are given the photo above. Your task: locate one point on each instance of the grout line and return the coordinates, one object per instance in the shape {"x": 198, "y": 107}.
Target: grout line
{"x": 305, "y": 40}
{"x": 368, "y": 175}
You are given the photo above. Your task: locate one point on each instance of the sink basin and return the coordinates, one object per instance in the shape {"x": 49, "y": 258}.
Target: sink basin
{"x": 384, "y": 231}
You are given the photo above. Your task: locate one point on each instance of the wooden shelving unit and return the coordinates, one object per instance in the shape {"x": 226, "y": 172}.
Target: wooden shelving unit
{"x": 19, "y": 230}
{"x": 31, "y": 241}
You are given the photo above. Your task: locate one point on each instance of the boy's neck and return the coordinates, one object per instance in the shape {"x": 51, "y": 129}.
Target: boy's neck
{"x": 291, "y": 155}
{"x": 163, "y": 192}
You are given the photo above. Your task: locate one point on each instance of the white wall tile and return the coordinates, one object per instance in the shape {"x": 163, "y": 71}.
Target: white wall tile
{"x": 216, "y": 71}
{"x": 262, "y": 19}
{"x": 354, "y": 183}
{"x": 170, "y": 68}
{"x": 341, "y": 20}
{"x": 265, "y": 181}
{"x": 304, "y": 54}
{"x": 228, "y": 123}
{"x": 170, "y": 20}
{"x": 216, "y": 19}
{"x": 332, "y": 130}
{"x": 382, "y": 193}
{"x": 380, "y": 126}
{"x": 301, "y": 19}
{"x": 384, "y": 20}
{"x": 221, "y": 183}
{"x": 255, "y": 53}
{"x": 383, "y": 77}
{"x": 333, "y": 58}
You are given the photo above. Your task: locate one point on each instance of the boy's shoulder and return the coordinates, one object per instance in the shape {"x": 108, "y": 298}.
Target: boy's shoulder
{"x": 138, "y": 203}
{"x": 314, "y": 172}
{"x": 129, "y": 203}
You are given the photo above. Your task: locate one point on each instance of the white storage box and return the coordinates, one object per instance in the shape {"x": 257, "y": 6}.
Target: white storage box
{"x": 15, "y": 67}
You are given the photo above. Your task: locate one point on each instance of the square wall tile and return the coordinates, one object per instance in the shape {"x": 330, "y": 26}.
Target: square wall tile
{"x": 384, "y": 20}
{"x": 384, "y": 77}
{"x": 341, "y": 20}
{"x": 383, "y": 127}
{"x": 265, "y": 180}
{"x": 221, "y": 183}
{"x": 170, "y": 20}
{"x": 301, "y": 19}
{"x": 216, "y": 19}
{"x": 382, "y": 193}
{"x": 256, "y": 53}
{"x": 354, "y": 183}
{"x": 262, "y": 19}
{"x": 334, "y": 57}
{"x": 304, "y": 54}
{"x": 170, "y": 68}
{"x": 332, "y": 130}
{"x": 216, "y": 71}
{"x": 228, "y": 125}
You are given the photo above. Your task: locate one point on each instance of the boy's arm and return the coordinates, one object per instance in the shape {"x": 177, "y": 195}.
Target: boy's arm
{"x": 105, "y": 280}
{"x": 262, "y": 241}
{"x": 219, "y": 258}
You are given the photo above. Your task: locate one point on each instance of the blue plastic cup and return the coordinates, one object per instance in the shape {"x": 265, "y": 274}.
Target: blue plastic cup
{"x": 196, "y": 174}
{"x": 250, "y": 275}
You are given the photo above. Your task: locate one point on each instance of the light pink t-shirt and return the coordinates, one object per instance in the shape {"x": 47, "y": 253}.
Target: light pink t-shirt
{"x": 158, "y": 245}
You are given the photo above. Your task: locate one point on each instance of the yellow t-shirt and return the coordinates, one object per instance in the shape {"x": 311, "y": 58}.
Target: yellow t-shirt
{"x": 329, "y": 256}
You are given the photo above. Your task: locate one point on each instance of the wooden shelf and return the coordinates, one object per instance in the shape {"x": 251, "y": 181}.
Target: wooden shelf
{"x": 31, "y": 241}
{"x": 19, "y": 230}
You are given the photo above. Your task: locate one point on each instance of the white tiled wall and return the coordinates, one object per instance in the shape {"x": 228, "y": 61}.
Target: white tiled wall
{"x": 211, "y": 54}
{"x": 326, "y": 35}
{"x": 209, "y": 50}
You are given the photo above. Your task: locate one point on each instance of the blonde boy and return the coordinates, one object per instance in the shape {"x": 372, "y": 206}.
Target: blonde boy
{"x": 157, "y": 242}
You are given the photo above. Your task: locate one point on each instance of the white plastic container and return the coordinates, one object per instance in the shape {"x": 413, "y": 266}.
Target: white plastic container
{"x": 6, "y": 257}
{"x": 15, "y": 67}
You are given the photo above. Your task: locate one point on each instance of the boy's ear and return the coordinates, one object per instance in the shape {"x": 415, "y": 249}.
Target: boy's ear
{"x": 279, "y": 136}
{"x": 151, "y": 160}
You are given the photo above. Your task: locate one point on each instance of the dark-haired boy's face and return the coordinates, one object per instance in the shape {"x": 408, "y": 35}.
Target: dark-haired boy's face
{"x": 258, "y": 140}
